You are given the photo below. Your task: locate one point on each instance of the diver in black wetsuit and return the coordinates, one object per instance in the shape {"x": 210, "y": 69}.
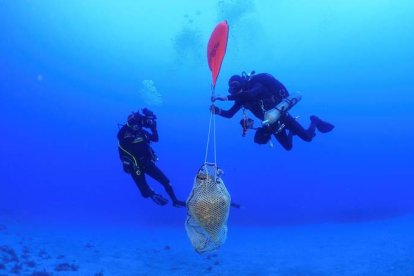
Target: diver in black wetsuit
{"x": 260, "y": 93}
{"x": 138, "y": 157}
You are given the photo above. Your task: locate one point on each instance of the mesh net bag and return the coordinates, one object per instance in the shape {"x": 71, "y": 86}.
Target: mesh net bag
{"x": 208, "y": 209}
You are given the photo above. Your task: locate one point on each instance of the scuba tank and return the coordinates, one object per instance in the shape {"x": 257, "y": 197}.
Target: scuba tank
{"x": 273, "y": 115}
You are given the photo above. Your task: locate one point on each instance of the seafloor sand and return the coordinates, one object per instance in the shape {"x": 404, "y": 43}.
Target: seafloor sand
{"x": 371, "y": 248}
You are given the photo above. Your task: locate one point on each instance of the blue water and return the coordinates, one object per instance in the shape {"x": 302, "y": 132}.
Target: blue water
{"x": 71, "y": 71}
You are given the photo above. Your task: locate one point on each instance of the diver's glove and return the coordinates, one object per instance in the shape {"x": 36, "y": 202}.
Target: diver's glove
{"x": 159, "y": 199}
{"x": 215, "y": 109}
{"x": 153, "y": 125}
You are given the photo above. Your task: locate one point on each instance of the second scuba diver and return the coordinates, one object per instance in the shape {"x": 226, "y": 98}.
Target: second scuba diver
{"x": 138, "y": 158}
{"x": 269, "y": 100}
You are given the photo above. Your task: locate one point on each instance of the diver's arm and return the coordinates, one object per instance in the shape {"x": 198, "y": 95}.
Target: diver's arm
{"x": 228, "y": 113}
{"x": 153, "y": 136}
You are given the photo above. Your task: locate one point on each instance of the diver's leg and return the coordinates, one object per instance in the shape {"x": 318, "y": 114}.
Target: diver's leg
{"x": 262, "y": 135}
{"x": 158, "y": 175}
{"x": 297, "y": 129}
{"x": 141, "y": 182}
{"x": 284, "y": 138}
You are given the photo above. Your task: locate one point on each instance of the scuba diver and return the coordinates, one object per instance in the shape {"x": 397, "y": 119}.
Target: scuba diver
{"x": 138, "y": 158}
{"x": 269, "y": 100}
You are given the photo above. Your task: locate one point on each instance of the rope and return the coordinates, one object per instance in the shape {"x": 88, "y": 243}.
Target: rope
{"x": 212, "y": 122}
{"x": 214, "y": 135}
{"x": 208, "y": 138}
{"x": 214, "y": 147}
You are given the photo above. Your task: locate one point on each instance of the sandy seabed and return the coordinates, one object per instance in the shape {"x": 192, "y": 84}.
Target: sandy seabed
{"x": 383, "y": 247}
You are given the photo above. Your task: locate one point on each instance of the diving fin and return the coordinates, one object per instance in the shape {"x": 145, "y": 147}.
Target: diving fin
{"x": 320, "y": 125}
{"x": 159, "y": 199}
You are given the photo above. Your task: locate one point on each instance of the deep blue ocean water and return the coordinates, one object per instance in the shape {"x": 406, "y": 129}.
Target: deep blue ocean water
{"x": 71, "y": 71}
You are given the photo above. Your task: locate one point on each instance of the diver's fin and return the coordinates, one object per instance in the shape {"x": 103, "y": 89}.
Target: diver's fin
{"x": 159, "y": 199}
{"x": 321, "y": 126}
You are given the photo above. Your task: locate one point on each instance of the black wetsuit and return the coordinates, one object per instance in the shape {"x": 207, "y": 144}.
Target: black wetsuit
{"x": 261, "y": 93}
{"x": 139, "y": 159}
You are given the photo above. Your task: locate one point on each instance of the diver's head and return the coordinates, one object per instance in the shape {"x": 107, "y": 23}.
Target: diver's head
{"x": 235, "y": 84}
{"x": 135, "y": 120}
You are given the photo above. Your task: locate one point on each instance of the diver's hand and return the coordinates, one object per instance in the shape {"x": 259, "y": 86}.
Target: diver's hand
{"x": 159, "y": 199}
{"x": 153, "y": 125}
{"x": 214, "y": 109}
